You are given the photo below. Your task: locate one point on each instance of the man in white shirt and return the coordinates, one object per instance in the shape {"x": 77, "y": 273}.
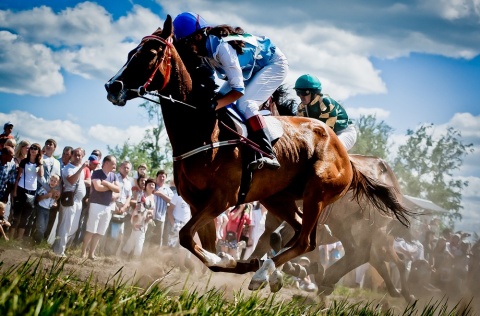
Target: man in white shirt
{"x": 73, "y": 177}
{"x": 120, "y": 207}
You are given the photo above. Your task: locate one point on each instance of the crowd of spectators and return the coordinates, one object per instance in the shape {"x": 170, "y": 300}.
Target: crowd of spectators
{"x": 82, "y": 202}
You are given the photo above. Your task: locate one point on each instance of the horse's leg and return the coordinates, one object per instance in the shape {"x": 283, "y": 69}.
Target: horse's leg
{"x": 211, "y": 260}
{"x": 286, "y": 209}
{"x": 355, "y": 256}
{"x": 263, "y": 244}
{"x": 391, "y": 255}
{"x": 207, "y": 235}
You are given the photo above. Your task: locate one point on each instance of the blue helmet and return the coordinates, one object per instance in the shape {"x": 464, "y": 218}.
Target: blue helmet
{"x": 186, "y": 23}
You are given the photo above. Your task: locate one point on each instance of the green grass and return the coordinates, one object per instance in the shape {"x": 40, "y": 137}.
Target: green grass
{"x": 35, "y": 288}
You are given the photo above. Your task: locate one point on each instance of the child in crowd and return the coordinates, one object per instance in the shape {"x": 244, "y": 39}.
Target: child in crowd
{"x": 141, "y": 217}
{"x": 46, "y": 200}
{"x": 4, "y": 224}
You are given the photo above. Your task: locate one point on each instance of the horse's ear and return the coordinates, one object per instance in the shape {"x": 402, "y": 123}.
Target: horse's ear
{"x": 167, "y": 27}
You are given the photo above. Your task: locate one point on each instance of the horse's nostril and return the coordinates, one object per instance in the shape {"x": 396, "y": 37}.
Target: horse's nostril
{"x": 114, "y": 87}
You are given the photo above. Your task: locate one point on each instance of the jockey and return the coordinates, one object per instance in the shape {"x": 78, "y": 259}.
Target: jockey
{"x": 252, "y": 66}
{"x": 316, "y": 105}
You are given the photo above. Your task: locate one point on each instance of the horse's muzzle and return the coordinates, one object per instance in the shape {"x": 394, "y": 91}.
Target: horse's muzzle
{"x": 116, "y": 93}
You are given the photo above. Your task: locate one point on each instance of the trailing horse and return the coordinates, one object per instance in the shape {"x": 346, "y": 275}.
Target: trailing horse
{"x": 315, "y": 166}
{"x": 366, "y": 235}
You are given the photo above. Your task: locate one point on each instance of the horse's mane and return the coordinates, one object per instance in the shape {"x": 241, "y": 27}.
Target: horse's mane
{"x": 285, "y": 106}
{"x": 201, "y": 74}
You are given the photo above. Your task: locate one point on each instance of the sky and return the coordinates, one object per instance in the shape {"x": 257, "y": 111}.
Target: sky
{"x": 408, "y": 63}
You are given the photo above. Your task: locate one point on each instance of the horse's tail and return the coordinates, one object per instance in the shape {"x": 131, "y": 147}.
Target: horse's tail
{"x": 380, "y": 195}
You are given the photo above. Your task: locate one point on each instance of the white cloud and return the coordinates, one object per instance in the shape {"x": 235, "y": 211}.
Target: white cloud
{"x": 27, "y": 68}
{"x": 37, "y": 129}
{"x": 117, "y": 136}
{"x": 355, "y": 113}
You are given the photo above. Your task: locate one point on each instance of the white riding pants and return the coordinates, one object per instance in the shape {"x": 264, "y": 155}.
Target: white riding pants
{"x": 348, "y": 136}
{"x": 262, "y": 85}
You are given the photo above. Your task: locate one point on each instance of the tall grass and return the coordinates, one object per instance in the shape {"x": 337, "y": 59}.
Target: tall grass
{"x": 35, "y": 288}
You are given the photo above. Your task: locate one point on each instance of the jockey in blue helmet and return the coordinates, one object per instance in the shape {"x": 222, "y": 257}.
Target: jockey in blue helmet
{"x": 252, "y": 66}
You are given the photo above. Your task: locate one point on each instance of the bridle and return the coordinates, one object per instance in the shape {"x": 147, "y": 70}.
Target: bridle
{"x": 168, "y": 42}
{"x": 142, "y": 90}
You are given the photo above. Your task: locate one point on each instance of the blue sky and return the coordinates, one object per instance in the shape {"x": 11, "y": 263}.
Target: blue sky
{"x": 408, "y": 63}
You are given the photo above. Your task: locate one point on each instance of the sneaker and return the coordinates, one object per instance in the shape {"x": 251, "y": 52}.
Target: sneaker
{"x": 264, "y": 162}
{"x": 61, "y": 255}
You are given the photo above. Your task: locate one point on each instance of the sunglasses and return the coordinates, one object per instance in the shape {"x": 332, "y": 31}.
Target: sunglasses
{"x": 302, "y": 93}
{"x": 34, "y": 148}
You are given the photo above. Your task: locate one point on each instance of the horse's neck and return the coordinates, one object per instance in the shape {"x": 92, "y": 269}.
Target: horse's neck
{"x": 187, "y": 128}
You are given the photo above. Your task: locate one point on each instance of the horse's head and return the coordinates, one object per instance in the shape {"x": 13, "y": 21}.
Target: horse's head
{"x": 148, "y": 67}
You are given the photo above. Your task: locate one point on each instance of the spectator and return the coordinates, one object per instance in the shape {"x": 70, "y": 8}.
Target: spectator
{"x": 178, "y": 214}
{"x": 429, "y": 246}
{"x": 141, "y": 187}
{"x": 163, "y": 194}
{"x": 98, "y": 154}
{"x": 73, "y": 191}
{"x": 141, "y": 217}
{"x": 7, "y": 131}
{"x": 7, "y": 173}
{"x": 141, "y": 171}
{"x": 82, "y": 222}
{"x": 25, "y": 187}
{"x": 66, "y": 155}
{"x": 46, "y": 199}
{"x": 221, "y": 226}
{"x": 52, "y": 166}
{"x": 116, "y": 229}
{"x": 259, "y": 214}
{"x": 21, "y": 151}
{"x": 238, "y": 217}
{"x": 103, "y": 186}
{"x": 10, "y": 142}
{"x": 4, "y": 224}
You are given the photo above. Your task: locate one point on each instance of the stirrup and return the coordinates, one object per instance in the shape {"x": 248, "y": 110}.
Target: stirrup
{"x": 264, "y": 162}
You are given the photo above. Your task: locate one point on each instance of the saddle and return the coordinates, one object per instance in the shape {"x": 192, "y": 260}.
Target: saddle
{"x": 236, "y": 121}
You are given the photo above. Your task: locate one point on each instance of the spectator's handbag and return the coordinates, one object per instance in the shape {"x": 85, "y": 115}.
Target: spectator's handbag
{"x": 28, "y": 198}
{"x": 68, "y": 198}
{"x": 118, "y": 218}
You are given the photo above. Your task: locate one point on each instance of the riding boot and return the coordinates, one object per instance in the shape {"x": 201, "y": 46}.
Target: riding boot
{"x": 258, "y": 134}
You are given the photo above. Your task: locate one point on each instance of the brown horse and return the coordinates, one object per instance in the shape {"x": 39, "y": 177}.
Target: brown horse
{"x": 366, "y": 234}
{"x": 315, "y": 166}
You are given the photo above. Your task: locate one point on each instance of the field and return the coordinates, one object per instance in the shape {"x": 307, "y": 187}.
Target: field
{"x": 34, "y": 282}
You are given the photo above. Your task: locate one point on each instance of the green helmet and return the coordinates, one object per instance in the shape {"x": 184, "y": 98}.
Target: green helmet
{"x": 308, "y": 82}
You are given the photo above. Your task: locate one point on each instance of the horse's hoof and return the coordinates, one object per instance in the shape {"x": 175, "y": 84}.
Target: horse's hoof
{"x": 226, "y": 260}
{"x": 276, "y": 281}
{"x": 260, "y": 278}
{"x": 257, "y": 284}
{"x": 325, "y": 289}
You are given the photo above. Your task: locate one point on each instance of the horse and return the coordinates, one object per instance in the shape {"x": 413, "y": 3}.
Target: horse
{"x": 315, "y": 166}
{"x": 366, "y": 234}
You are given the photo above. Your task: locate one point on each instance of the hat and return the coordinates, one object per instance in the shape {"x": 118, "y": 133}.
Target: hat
{"x": 7, "y": 124}
{"x": 94, "y": 159}
{"x": 51, "y": 140}
{"x": 186, "y": 23}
